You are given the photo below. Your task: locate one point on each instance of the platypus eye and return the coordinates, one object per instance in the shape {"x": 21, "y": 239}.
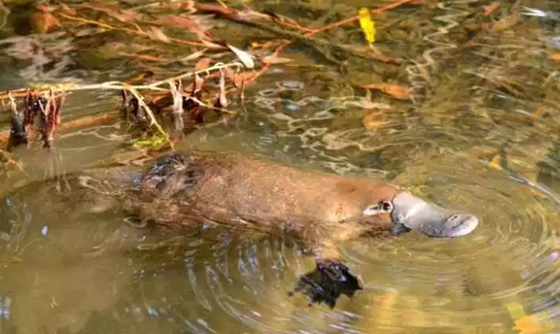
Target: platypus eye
{"x": 380, "y": 207}
{"x": 453, "y": 217}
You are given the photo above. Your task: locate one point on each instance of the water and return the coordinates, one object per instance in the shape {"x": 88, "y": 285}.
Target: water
{"x": 479, "y": 135}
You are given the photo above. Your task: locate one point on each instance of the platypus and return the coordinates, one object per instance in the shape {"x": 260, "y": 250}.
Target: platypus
{"x": 323, "y": 210}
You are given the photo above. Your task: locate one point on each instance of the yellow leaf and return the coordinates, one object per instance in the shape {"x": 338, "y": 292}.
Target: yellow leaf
{"x": 527, "y": 325}
{"x": 496, "y": 163}
{"x": 555, "y": 57}
{"x": 515, "y": 310}
{"x": 367, "y": 24}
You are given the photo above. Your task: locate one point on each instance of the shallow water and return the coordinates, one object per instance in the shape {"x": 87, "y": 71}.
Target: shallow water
{"x": 472, "y": 104}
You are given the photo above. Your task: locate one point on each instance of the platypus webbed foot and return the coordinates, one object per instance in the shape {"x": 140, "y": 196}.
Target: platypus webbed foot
{"x": 327, "y": 282}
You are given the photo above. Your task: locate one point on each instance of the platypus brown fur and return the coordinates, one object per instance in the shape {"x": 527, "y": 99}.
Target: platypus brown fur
{"x": 323, "y": 209}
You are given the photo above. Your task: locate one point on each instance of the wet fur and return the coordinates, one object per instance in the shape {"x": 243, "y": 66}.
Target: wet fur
{"x": 254, "y": 194}
{"x": 232, "y": 188}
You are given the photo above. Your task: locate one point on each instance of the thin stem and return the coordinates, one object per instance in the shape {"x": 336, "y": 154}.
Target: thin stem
{"x": 132, "y": 31}
{"x": 151, "y": 114}
{"x": 357, "y": 17}
{"x": 118, "y": 85}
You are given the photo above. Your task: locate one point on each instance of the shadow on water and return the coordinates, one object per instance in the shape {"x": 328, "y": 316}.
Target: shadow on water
{"x": 481, "y": 134}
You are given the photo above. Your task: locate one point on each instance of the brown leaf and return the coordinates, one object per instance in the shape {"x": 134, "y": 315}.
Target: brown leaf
{"x": 150, "y": 58}
{"x": 192, "y": 56}
{"x": 555, "y": 57}
{"x": 230, "y": 74}
{"x": 491, "y": 8}
{"x": 98, "y": 5}
{"x": 202, "y": 64}
{"x": 211, "y": 45}
{"x": 139, "y": 78}
{"x": 211, "y": 8}
{"x": 274, "y": 59}
{"x": 44, "y": 9}
{"x": 191, "y": 24}
{"x": 124, "y": 16}
{"x": 158, "y": 35}
{"x": 187, "y": 6}
{"x": 44, "y": 21}
{"x": 222, "y": 99}
{"x": 374, "y": 120}
{"x": 198, "y": 83}
{"x": 397, "y": 91}
{"x": 367, "y": 52}
{"x": 238, "y": 78}
{"x": 507, "y": 22}
{"x": 177, "y": 112}
{"x": 68, "y": 10}
{"x": 113, "y": 11}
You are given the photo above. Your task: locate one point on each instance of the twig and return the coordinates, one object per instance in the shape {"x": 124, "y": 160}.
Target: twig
{"x": 357, "y": 17}
{"x": 118, "y": 85}
{"x": 237, "y": 16}
{"x": 10, "y": 161}
{"x": 5, "y": 12}
{"x": 71, "y": 124}
{"x": 153, "y": 121}
{"x": 132, "y": 31}
{"x": 133, "y": 89}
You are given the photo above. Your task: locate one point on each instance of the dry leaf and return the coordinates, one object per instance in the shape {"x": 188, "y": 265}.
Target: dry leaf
{"x": 555, "y": 57}
{"x": 238, "y": 78}
{"x": 68, "y": 10}
{"x": 158, "y": 35}
{"x": 274, "y": 59}
{"x": 374, "y": 119}
{"x": 396, "y": 91}
{"x": 507, "y": 22}
{"x": 98, "y": 6}
{"x": 193, "y": 56}
{"x": 150, "y": 58}
{"x": 241, "y": 78}
{"x": 230, "y": 74}
{"x": 541, "y": 110}
{"x": 527, "y": 325}
{"x": 138, "y": 78}
{"x": 43, "y": 22}
{"x": 496, "y": 162}
{"x": 211, "y": 45}
{"x": 491, "y": 8}
{"x": 198, "y": 82}
{"x": 43, "y": 8}
{"x": 191, "y": 24}
{"x": 113, "y": 11}
{"x": 124, "y": 15}
{"x": 177, "y": 111}
{"x": 222, "y": 99}
{"x": 373, "y": 55}
{"x": 202, "y": 64}
{"x": 243, "y": 56}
